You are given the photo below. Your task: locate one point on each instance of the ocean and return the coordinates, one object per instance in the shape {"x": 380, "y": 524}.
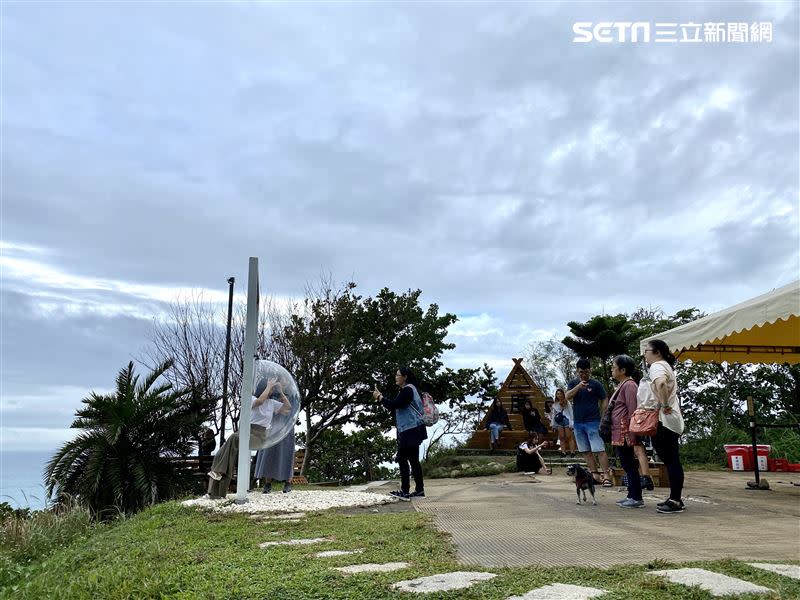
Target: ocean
{"x": 21, "y": 481}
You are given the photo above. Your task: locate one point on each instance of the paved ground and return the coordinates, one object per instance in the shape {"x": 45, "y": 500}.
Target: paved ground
{"x": 508, "y": 521}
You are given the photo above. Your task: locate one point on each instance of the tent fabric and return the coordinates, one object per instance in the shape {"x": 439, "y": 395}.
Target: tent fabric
{"x": 765, "y": 329}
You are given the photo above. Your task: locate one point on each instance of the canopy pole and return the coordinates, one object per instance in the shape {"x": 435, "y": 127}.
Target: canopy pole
{"x": 757, "y": 484}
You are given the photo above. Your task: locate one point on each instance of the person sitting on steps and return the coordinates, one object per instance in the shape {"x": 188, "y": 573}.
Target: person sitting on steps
{"x": 496, "y": 422}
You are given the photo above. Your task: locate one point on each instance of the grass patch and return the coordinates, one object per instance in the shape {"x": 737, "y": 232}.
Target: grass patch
{"x": 452, "y": 465}
{"x": 169, "y": 551}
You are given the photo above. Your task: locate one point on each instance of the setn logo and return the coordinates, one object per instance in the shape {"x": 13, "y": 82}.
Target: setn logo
{"x": 626, "y": 31}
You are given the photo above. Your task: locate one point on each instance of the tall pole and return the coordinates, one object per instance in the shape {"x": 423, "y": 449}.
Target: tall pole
{"x": 231, "y": 281}
{"x": 250, "y": 334}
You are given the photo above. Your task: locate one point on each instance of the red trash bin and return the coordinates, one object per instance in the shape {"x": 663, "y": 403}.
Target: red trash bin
{"x": 740, "y": 456}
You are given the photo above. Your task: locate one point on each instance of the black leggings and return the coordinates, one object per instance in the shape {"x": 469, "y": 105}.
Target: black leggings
{"x": 665, "y": 441}
{"x": 406, "y": 456}
{"x": 631, "y": 465}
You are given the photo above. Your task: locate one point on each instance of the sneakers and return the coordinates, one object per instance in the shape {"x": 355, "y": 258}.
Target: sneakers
{"x": 631, "y": 503}
{"x": 215, "y": 476}
{"x": 622, "y": 500}
{"x": 420, "y": 494}
{"x": 647, "y": 483}
{"x": 400, "y": 494}
{"x": 287, "y": 487}
{"x": 267, "y": 488}
{"x": 670, "y": 506}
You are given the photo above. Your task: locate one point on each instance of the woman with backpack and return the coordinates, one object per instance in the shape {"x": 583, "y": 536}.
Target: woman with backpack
{"x": 411, "y": 430}
{"x": 562, "y": 424}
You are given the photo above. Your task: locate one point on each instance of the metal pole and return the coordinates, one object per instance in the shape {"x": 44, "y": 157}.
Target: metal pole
{"x": 752, "y": 412}
{"x": 231, "y": 281}
{"x": 250, "y": 334}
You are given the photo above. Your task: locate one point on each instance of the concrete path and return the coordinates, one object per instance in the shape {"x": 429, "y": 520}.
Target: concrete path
{"x": 509, "y": 521}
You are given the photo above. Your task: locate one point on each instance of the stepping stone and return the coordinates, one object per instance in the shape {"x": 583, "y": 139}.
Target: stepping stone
{"x": 443, "y": 583}
{"x": 331, "y": 553}
{"x": 718, "y": 585}
{"x": 294, "y": 542}
{"x": 374, "y": 568}
{"x": 263, "y": 517}
{"x": 561, "y": 591}
{"x": 786, "y": 570}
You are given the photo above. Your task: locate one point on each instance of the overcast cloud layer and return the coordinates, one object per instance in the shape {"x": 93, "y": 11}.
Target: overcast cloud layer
{"x": 469, "y": 150}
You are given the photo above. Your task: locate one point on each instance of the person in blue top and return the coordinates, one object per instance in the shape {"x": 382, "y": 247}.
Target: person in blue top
{"x": 407, "y": 407}
{"x": 588, "y": 397}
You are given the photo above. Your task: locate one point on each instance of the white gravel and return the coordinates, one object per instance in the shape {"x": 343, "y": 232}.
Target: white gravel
{"x": 296, "y": 501}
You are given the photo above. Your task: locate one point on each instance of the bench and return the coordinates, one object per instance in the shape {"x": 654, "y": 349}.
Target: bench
{"x": 658, "y": 473}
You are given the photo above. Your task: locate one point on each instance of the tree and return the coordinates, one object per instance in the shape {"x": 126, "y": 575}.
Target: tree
{"x": 601, "y": 338}
{"x": 550, "y": 364}
{"x": 341, "y": 345}
{"x": 120, "y": 461}
{"x": 351, "y": 458}
{"x": 192, "y": 339}
{"x": 469, "y": 392}
{"x": 192, "y": 336}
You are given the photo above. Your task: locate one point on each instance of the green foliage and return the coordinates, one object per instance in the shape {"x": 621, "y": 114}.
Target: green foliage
{"x": 600, "y": 338}
{"x": 351, "y": 458}
{"x": 169, "y": 551}
{"x": 120, "y": 460}
{"x": 551, "y": 365}
{"x": 467, "y": 393}
{"x": 454, "y": 466}
{"x": 27, "y": 536}
{"x": 341, "y": 345}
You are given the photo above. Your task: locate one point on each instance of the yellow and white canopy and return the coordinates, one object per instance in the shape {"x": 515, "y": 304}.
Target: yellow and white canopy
{"x": 765, "y": 329}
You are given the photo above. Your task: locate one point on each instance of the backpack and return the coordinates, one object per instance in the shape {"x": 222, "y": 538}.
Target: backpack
{"x": 430, "y": 412}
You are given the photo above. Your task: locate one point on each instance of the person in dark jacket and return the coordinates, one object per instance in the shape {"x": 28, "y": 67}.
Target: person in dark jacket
{"x": 532, "y": 419}
{"x": 496, "y": 422}
{"x": 407, "y": 407}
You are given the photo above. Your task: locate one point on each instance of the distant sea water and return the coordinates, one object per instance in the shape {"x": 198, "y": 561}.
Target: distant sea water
{"x": 21, "y": 480}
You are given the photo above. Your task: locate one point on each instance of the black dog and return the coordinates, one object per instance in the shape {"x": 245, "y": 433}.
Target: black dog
{"x": 583, "y": 481}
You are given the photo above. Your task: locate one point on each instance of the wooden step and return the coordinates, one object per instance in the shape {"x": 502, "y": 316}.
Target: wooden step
{"x": 509, "y": 440}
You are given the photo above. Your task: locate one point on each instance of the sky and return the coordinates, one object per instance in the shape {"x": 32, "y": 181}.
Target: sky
{"x": 470, "y": 150}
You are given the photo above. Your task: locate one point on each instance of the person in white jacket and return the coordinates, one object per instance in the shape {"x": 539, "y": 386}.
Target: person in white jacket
{"x": 561, "y": 421}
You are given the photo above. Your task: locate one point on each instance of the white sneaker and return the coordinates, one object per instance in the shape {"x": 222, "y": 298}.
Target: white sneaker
{"x": 214, "y": 476}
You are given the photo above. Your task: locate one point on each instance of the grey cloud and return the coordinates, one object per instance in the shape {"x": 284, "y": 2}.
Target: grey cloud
{"x": 406, "y": 145}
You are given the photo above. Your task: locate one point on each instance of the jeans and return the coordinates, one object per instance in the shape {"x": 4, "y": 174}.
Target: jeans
{"x": 495, "y": 429}
{"x": 665, "y": 441}
{"x": 406, "y": 456}
{"x": 631, "y": 465}
{"x": 587, "y": 437}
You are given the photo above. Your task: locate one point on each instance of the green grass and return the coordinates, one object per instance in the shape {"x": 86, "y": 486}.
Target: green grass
{"x": 445, "y": 466}
{"x": 173, "y": 552}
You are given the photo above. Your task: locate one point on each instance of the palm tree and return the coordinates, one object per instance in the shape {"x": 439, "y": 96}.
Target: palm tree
{"x": 601, "y": 337}
{"x": 120, "y": 461}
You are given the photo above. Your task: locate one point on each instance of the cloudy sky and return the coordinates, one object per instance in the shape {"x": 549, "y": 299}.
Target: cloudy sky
{"x": 471, "y": 150}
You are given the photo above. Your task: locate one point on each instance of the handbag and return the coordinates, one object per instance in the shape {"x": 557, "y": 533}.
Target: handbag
{"x": 561, "y": 419}
{"x": 644, "y": 422}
